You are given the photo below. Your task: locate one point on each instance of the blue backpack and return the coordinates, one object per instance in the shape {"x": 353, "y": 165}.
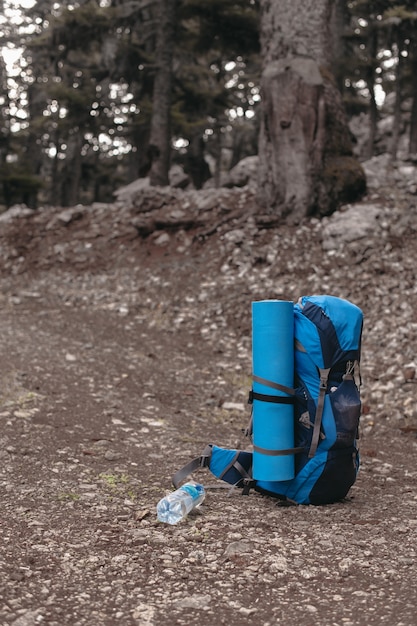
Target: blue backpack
{"x": 327, "y": 407}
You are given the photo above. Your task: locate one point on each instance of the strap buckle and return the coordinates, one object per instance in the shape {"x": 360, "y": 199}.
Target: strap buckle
{"x": 248, "y": 484}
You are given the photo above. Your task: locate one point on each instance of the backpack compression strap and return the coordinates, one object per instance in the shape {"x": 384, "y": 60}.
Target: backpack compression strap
{"x": 253, "y": 395}
{"x": 269, "y": 383}
{"x": 324, "y": 375}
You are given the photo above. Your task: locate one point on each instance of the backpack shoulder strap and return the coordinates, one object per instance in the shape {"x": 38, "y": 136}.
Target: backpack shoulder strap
{"x": 200, "y": 461}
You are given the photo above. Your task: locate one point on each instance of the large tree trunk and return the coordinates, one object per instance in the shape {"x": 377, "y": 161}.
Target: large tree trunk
{"x": 305, "y": 153}
{"x": 160, "y": 137}
{"x": 339, "y": 22}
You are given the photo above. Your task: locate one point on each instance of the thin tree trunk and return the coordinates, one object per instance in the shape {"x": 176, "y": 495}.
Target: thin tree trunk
{"x": 160, "y": 136}
{"x": 54, "y": 189}
{"x": 413, "y": 122}
{"x": 373, "y": 109}
{"x": 5, "y": 134}
{"x": 72, "y": 183}
{"x": 397, "y": 109}
{"x": 34, "y": 156}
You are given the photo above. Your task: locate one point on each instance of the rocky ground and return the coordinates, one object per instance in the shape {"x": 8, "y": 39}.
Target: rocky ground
{"x": 125, "y": 348}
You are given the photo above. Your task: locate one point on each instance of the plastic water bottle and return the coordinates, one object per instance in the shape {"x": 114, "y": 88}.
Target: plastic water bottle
{"x": 176, "y": 505}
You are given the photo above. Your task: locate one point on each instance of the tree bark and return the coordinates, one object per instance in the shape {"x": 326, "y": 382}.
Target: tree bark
{"x": 413, "y": 121}
{"x": 339, "y": 22}
{"x": 397, "y": 108}
{"x": 159, "y": 149}
{"x": 370, "y": 81}
{"x": 34, "y": 155}
{"x": 305, "y": 153}
{"x": 70, "y": 179}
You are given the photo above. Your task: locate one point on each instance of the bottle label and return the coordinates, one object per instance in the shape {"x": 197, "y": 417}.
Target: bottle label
{"x": 192, "y": 490}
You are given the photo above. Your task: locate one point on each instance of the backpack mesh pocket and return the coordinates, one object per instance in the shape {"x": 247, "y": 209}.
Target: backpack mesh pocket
{"x": 346, "y": 405}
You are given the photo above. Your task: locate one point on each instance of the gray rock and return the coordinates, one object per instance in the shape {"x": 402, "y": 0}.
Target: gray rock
{"x": 244, "y": 173}
{"x": 378, "y": 171}
{"x": 357, "y": 222}
{"x": 15, "y": 212}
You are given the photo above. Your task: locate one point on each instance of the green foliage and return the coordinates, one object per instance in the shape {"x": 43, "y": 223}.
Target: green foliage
{"x": 79, "y": 28}
{"x": 91, "y": 68}
{"x": 68, "y": 496}
{"x": 400, "y": 14}
{"x": 18, "y": 186}
{"x": 77, "y": 101}
{"x": 119, "y": 485}
{"x": 81, "y": 52}
{"x": 223, "y": 25}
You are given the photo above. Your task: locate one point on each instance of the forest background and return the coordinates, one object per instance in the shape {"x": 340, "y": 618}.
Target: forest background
{"x": 80, "y": 99}
{"x": 126, "y": 328}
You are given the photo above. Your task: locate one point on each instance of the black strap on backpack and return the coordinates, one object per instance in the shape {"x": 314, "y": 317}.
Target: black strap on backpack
{"x": 289, "y": 399}
{"x": 253, "y": 395}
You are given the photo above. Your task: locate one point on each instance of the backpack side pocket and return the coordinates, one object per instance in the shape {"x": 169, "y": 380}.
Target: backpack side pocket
{"x": 346, "y": 406}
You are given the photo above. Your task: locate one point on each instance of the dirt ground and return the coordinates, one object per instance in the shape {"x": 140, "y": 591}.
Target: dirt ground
{"x": 121, "y": 358}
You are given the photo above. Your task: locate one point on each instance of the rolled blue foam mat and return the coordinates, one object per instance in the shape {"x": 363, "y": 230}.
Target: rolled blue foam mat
{"x": 273, "y": 360}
